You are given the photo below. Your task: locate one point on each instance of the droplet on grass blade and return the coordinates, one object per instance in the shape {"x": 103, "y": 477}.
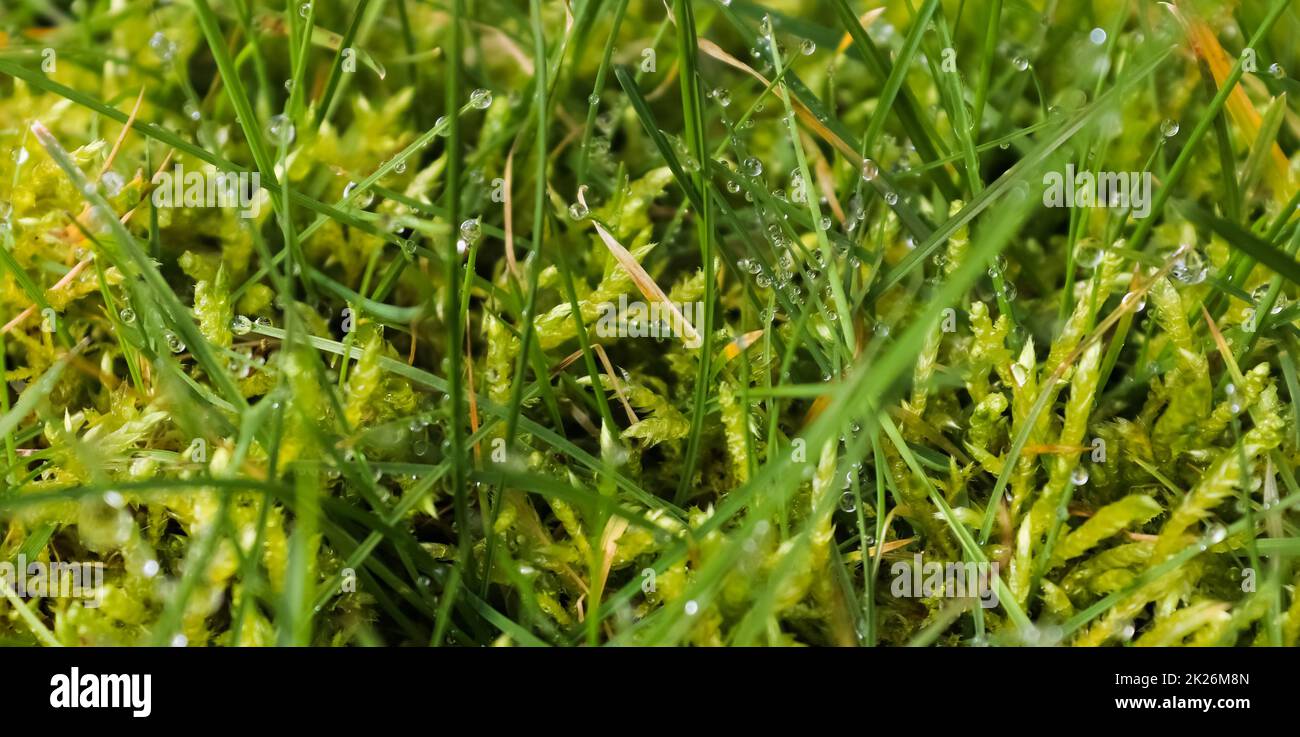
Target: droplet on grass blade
{"x": 280, "y": 130}
{"x": 480, "y": 99}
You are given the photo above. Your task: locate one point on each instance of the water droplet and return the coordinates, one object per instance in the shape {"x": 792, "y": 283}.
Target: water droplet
{"x": 692, "y": 608}
{"x": 1079, "y": 476}
{"x": 442, "y": 125}
{"x": 480, "y": 99}
{"x": 288, "y": 85}
{"x": 807, "y": 47}
{"x": 1217, "y": 534}
{"x": 471, "y": 230}
{"x": 280, "y": 130}
{"x": 891, "y": 198}
{"x": 825, "y": 223}
{"x": 150, "y": 568}
{"x": 869, "y": 170}
{"x": 1087, "y": 253}
{"x": 262, "y": 323}
{"x": 180, "y": 641}
{"x": 304, "y": 10}
{"x": 400, "y": 167}
{"x": 164, "y": 48}
{"x": 114, "y": 499}
{"x": 753, "y": 167}
{"x": 363, "y": 200}
{"x": 240, "y": 325}
{"x": 127, "y": 314}
{"x": 1276, "y": 70}
{"x": 1190, "y": 268}
{"x": 192, "y": 111}
{"x": 174, "y": 342}
{"x": 593, "y": 98}
{"x": 578, "y": 211}
{"x": 1097, "y": 36}
{"x": 848, "y": 502}
{"x": 733, "y": 187}
{"x": 1233, "y": 398}
{"x": 1169, "y": 128}
{"x": 1019, "y": 373}
{"x": 1128, "y": 632}
{"x": 1020, "y": 63}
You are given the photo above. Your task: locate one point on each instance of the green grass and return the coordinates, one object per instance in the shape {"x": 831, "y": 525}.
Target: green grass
{"x": 416, "y": 429}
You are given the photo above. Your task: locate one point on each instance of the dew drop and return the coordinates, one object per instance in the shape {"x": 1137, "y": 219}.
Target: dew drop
{"x": 692, "y": 608}
{"x": 1097, "y": 36}
{"x": 240, "y": 325}
{"x": 127, "y": 314}
{"x": 753, "y": 167}
{"x": 1169, "y": 128}
{"x": 1087, "y": 254}
{"x": 578, "y": 211}
{"x": 807, "y": 47}
{"x": 891, "y": 198}
{"x": 1019, "y": 373}
{"x": 1079, "y": 476}
{"x": 481, "y": 99}
{"x": 1276, "y": 70}
{"x": 363, "y": 200}
{"x": 471, "y": 230}
{"x": 848, "y": 502}
{"x": 280, "y": 130}
{"x": 1020, "y": 63}
{"x": 1190, "y": 268}
{"x": 869, "y": 170}
{"x": 1217, "y": 534}
{"x": 174, "y": 342}
{"x": 164, "y": 48}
